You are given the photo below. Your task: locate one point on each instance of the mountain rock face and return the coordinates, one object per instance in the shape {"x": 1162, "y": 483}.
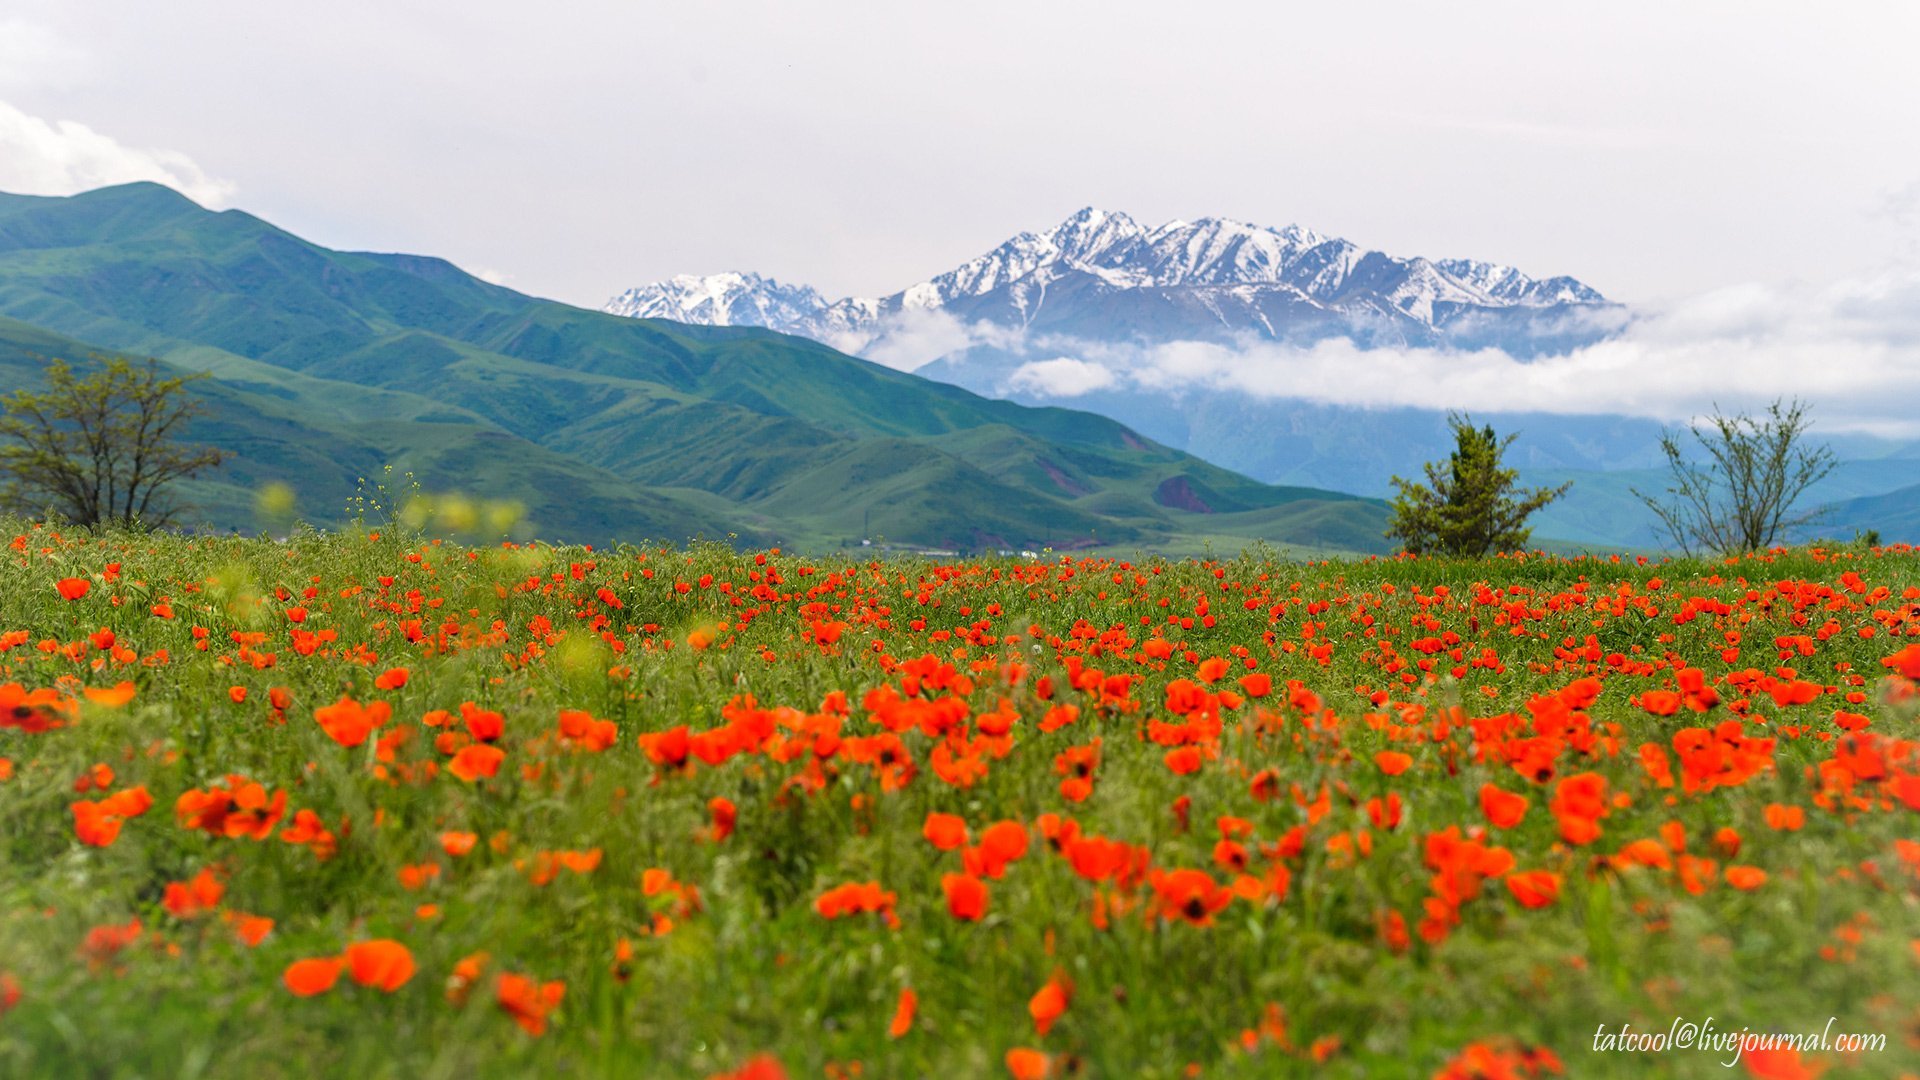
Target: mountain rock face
{"x": 1102, "y": 276}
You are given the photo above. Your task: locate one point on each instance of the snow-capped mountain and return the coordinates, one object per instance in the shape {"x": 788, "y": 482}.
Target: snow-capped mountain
{"x": 1102, "y": 276}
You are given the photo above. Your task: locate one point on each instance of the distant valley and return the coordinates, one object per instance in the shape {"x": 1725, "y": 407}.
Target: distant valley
{"x": 1101, "y": 313}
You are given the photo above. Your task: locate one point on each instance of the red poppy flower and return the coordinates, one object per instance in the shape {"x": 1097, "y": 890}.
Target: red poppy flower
{"x": 1503, "y": 809}
{"x": 1049, "y": 1003}
{"x": 314, "y": 976}
{"x": 529, "y": 1002}
{"x": 477, "y": 762}
{"x": 903, "y": 1013}
{"x": 966, "y": 896}
{"x": 1534, "y": 888}
{"x": 1025, "y": 1063}
{"x": 381, "y": 963}
{"x": 945, "y": 831}
{"x": 192, "y": 899}
{"x": 1191, "y": 895}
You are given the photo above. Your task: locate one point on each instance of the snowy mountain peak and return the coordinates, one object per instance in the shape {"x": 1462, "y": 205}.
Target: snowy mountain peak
{"x": 1091, "y": 233}
{"x": 727, "y": 299}
{"x": 1100, "y": 274}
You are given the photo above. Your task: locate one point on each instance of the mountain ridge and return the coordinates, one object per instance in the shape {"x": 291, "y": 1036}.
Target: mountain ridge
{"x": 1270, "y": 282}
{"x": 678, "y": 427}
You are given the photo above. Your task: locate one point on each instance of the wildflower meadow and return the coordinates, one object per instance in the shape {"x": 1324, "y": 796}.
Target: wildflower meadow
{"x": 377, "y": 805}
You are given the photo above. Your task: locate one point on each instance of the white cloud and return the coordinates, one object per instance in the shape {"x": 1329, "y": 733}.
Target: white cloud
{"x": 40, "y": 157}
{"x": 912, "y": 338}
{"x": 1851, "y": 350}
{"x": 1062, "y": 376}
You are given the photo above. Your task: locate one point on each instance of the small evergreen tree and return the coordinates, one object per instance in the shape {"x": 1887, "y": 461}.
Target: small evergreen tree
{"x": 100, "y": 449}
{"x": 1470, "y": 505}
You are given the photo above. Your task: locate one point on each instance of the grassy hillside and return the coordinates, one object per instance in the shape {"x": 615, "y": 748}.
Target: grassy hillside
{"x": 306, "y": 436}
{"x": 606, "y": 426}
{"x": 1602, "y": 505}
{"x": 1895, "y": 516}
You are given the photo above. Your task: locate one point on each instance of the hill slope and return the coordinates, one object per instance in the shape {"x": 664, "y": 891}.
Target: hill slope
{"x": 606, "y": 426}
{"x": 285, "y": 432}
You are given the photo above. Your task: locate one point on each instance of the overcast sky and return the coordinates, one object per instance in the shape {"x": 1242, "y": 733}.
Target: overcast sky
{"x": 1657, "y": 152}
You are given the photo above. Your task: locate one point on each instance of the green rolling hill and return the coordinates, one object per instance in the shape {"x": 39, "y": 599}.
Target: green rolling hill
{"x": 328, "y": 364}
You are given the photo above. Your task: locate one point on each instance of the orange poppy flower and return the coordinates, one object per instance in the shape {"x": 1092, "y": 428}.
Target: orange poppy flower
{"x": 945, "y": 831}
{"x": 1905, "y": 663}
{"x": 1785, "y": 818}
{"x": 1184, "y": 761}
{"x": 466, "y": 972}
{"x": 903, "y": 1013}
{"x": 192, "y": 899}
{"x": 1660, "y": 702}
{"x": 1534, "y": 888}
{"x": 72, "y": 588}
{"x": 667, "y": 748}
{"x": 111, "y": 697}
{"x": 724, "y": 815}
{"x": 528, "y": 1002}
{"x": 854, "y": 898}
{"x": 103, "y": 943}
{"x": 476, "y": 762}
{"x": 1049, "y": 1003}
{"x": 483, "y": 724}
{"x": 415, "y": 877}
{"x": 1003, "y": 842}
{"x": 1025, "y": 1063}
{"x": 250, "y": 929}
{"x": 315, "y": 976}
{"x": 348, "y": 722}
{"x": 97, "y": 824}
{"x": 33, "y": 712}
{"x": 760, "y": 1067}
{"x": 1503, "y": 809}
{"x": 580, "y": 730}
{"x": 1778, "y": 1063}
{"x": 1645, "y": 852}
{"x": 383, "y": 963}
{"x": 966, "y": 896}
{"x": 1192, "y": 895}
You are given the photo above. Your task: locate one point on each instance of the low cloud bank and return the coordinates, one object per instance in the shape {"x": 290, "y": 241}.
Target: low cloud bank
{"x": 1851, "y": 349}
{"x": 1063, "y": 377}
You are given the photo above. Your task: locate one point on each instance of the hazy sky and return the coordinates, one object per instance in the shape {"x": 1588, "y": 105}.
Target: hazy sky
{"x": 574, "y": 149}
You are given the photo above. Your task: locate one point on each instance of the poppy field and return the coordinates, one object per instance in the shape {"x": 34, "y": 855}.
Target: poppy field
{"x": 377, "y": 805}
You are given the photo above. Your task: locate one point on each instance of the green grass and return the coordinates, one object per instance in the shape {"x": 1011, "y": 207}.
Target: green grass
{"x": 754, "y": 969}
